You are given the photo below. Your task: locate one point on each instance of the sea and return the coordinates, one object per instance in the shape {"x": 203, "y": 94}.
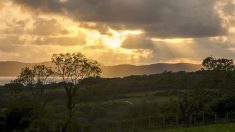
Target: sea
{"x": 5, "y": 80}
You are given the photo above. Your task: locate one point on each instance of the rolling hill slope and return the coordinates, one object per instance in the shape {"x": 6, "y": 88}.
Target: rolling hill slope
{"x": 13, "y": 68}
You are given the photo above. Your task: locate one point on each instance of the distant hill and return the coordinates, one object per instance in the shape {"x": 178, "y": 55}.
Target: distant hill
{"x": 126, "y": 70}
{"x": 13, "y": 68}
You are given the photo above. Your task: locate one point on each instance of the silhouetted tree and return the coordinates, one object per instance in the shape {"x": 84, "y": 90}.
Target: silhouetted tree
{"x": 35, "y": 78}
{"x": 73, "y": 68}
{"x": 220, "y": 64}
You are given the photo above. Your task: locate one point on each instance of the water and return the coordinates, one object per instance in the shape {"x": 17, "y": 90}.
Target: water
{"x": 5, "y": 80}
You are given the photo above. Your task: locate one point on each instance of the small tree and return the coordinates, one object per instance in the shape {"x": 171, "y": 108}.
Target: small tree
{"x": 221, "y": 64}
{"x": 35, "y": 79}
{"x": 192, "y": 101}
{"x": 73, "y": 68}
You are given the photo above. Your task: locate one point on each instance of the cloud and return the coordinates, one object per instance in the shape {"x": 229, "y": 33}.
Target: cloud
{"x": 2, "y": 4}
{"x": 10, "y": 43}
{"x": 228, "y": 7}
{"x": 183, "y": 50}
{"x": 138, "y": 42}
{"x": 216, "y": 47}
{"x": 158, "y": 18}
{"x": 166, "y": 26}
{"x": 38, "y": 31}
{"x": 15, "y": 27}
{"x": 39, "y": 26}
{"x": 197, "y": 49}
{"x": 63, "y": 41}
{"x": 47, "y": 27}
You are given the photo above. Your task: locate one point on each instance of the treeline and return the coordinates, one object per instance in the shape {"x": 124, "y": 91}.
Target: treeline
{"x": 83, "y": 100}
{"x": 215, "y": 73}
{"x": 165, "y": 81}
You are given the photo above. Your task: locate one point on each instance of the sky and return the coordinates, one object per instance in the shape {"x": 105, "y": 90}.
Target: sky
{"x": 118, "y": 31}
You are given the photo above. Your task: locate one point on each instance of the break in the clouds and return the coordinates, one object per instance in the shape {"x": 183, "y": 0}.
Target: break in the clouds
{"x": 118, "y": 31}
{"x": 39, "y": 31}
{"x": 158, "y": 18}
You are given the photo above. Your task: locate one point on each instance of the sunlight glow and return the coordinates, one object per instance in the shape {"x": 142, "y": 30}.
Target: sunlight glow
{"x": 184, "y": 60}
{"x": 117, "y": 37}
{"x": 21, "y": 28}
{"x": 112, "y": 42}
{"x": 174, "y": 40}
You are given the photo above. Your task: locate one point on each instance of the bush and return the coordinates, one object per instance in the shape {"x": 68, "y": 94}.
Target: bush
{"x": 224, "y": 105}
{"x": 19, "y": 118}
{"x": 24, "y": 114}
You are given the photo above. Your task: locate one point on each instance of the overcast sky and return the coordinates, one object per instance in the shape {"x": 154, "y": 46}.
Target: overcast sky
{"x": 118, "y": 31}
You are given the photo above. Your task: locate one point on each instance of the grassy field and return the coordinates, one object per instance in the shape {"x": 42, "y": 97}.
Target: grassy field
{"x": 230, "y": 127}
{"x": 138, "y": 97}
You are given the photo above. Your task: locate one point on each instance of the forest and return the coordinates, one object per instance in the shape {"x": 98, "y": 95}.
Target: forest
{"x": 82, "y": 101}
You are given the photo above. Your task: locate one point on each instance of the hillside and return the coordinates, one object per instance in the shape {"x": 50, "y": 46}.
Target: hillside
{"x": 12, "y": 68}
{"x": 126, "y": 70}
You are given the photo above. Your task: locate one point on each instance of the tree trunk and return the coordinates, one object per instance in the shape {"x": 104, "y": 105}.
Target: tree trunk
{"x": 70, "y": 112}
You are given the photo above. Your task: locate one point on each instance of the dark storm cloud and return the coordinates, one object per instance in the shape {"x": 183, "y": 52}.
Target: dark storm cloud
{"x": 208, "y": 47}
{"x": 158, "y": 18}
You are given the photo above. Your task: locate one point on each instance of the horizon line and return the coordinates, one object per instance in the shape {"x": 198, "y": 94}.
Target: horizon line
{"x": 110, "y": 65}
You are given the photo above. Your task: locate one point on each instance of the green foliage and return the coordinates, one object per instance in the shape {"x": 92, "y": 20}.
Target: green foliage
{"x": 175, "y": 82}
{"x": 193, "y": 101}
